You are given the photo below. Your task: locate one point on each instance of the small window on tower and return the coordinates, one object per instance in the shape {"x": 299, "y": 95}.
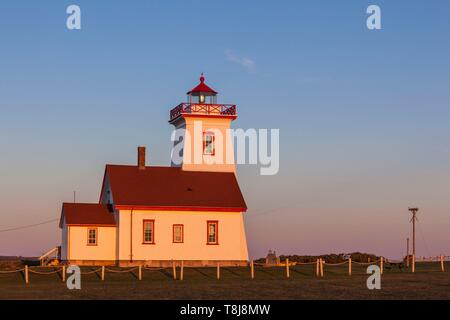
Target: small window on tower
{"x": 208, "y": 143}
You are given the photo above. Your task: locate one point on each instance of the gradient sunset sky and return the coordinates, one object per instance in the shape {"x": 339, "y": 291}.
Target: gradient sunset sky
{"x": 364, "y": 116}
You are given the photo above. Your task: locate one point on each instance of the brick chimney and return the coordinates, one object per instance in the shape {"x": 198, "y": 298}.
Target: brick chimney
{"x": 141, "y": 158}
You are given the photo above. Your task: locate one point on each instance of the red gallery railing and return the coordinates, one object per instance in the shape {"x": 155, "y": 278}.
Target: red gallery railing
{"x": 206, "y": 109}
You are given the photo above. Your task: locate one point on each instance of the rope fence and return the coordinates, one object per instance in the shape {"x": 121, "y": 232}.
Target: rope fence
{"x": 12, "y": 271}
{"x": 44, "y": 273}
{"x": 410, "y": 264}
{"x": 91, "y": 272}
{"x": 336, "y": 264}
{"x": 121, "y": 271}
{"x": 154, "y": 269}
{"x": 366, "y": 263}
{"x": 304, "y": 263}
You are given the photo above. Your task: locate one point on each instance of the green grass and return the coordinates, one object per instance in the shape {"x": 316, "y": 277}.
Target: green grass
{"x": 270, "y": 283}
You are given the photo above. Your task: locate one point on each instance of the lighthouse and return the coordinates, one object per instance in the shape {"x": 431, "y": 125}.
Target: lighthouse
{"x": 192, "y": 211}
{"x": 202, "y": 137}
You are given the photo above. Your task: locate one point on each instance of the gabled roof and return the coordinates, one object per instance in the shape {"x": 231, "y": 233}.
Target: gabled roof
{"x": 171, "y": 188}
{"x": 87, "y": 214}
{"x": 202, "y": 87}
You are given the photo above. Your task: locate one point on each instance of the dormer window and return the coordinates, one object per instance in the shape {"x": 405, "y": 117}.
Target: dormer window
{"x": 208, "y": 143}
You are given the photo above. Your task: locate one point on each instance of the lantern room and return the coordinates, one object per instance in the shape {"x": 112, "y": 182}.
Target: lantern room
{"x": 201, "y": 92}
{"x": 202, "y": 101}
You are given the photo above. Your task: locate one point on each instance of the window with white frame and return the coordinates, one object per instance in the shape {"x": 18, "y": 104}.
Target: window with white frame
{"x": 178, "y": 236}
{"x": 149, "y": 231}
{"x": 213, "y": 234}
{"x": 208, "y": 143}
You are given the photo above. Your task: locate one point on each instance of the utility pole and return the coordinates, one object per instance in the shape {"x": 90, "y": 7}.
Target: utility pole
{"x": 413, "y": 220}
{"x": 407, "y": 247}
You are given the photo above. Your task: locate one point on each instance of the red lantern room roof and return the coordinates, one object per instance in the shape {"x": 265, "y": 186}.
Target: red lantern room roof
{"x": 202, "y": 88}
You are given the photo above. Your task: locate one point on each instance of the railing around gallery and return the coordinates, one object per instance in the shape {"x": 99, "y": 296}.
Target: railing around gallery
{"x": 205, "y": 109}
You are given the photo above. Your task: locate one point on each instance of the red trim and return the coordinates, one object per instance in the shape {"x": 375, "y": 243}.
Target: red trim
{"x": 172, "y": 208}
{"x": 209, "y": 133}
{"x": 96, "y": 237}
{"x": 182, "y": 233}
{"x": 153, "y": 231}
{"x": 216, "y": 222}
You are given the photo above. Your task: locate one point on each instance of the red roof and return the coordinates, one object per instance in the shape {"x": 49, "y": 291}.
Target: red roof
{"x": 87, "y": 214}
{"x": 202, "y": 87}
{"x": 171, "y": 188}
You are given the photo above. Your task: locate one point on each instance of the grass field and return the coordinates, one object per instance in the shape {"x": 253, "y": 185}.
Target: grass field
{"x": 270, "y": 283}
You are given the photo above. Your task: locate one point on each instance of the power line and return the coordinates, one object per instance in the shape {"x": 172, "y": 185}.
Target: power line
{"x": 29, "y": 226}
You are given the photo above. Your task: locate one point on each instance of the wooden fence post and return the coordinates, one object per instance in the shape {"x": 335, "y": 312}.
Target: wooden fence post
{"x": 103, "y": 273}
{"x": 182, "y": 270}
{"x": 174, "y": 270}
{"x": 322, "y": 262}
{"x": 442, "y": 264}
{"x": 349, "y": 266}
{"x": 287, "y": 268}
{"x": 317, "y": 268}
{"x": 320, "y": 267}
{"x": 218, "y": 270}
{"x": 140, "y": 272}
{"x": 63, "y": 276}
{"x": 381, "y": 265}
{"x": 252, "y": 270}
{"x": 413, "y": 263}
{"x": 26, "y": 274}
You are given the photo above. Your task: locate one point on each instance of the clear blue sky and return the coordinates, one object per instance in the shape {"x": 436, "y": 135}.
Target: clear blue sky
{"x": 364, "y": 116}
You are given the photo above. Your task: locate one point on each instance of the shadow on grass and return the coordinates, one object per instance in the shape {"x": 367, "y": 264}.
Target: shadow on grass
{"x": 202, "y": 273}
{"x": 231, "y": 271}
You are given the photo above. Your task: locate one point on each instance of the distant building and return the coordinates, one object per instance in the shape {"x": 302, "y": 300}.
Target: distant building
{"x": 152, "y": 215}
{"x": 272, "y": 258}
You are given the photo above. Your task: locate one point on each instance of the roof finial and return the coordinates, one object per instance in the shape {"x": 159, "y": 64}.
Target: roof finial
{"x": 202, "y": 78}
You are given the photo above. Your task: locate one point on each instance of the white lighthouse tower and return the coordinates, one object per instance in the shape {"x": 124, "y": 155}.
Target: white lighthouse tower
{"x": 202, "y": 141}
